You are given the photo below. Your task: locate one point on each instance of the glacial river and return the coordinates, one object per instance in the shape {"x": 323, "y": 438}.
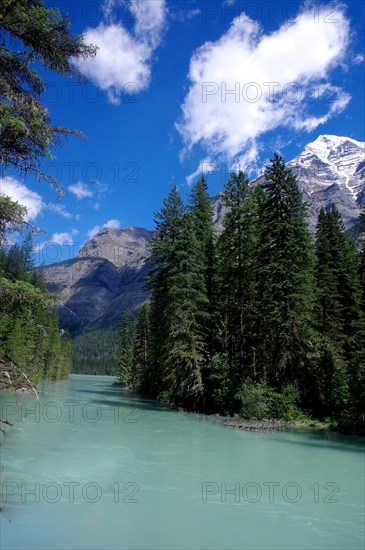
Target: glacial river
{"x": 90, "y": 466}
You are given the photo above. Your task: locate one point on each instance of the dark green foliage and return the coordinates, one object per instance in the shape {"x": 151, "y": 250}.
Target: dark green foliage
{"x": 179, "y": 304}
{"x": 263, "y": 323}
{"x": 31, "y": 34}
{"x": 362, "y": 258}
{"x": 162, "y": 249}
{"x": 11, "y": 216}
{"x": 127, "y": 336}
{"x": 141, "y": 355}
{"x": 338, "y": 283}
{"x": 30, "y": 340}
{"x": 285, "y": 279}
{"x": 96, "y": 352}
{"x": 235, "y": 278}
{"x": 260, "y": 401}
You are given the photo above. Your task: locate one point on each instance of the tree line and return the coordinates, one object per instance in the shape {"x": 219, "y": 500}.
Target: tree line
{"x": 263, "y": 320}
{"x": 96, "y": 351}
{"x": 32, "y": 347}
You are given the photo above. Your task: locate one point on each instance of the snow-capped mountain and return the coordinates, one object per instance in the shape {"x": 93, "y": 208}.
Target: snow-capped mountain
{"x": 331, "y": 169}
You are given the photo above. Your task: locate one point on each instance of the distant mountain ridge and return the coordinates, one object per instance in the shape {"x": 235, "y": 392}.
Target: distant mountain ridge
{"x": 108, "y": 275}
{"x": 103, "y": 280}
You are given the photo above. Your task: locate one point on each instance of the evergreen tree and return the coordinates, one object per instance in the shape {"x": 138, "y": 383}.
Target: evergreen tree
{"x": 201, "y": 212}
{"x": 126, "y": 350}
{"x": 32, "y": 34}
{"x": 179, "y": 303}
{"x": 186, "y": 307}
{"x": 338, "y": 283}
{"x": 285, "y": 278}
{"x": 362, "y": 257}
{"x": 162, "y": 249}
{"x": 141, "y": 357}
{"x": 237, "y": 277}
{"x": 12, "y": 216}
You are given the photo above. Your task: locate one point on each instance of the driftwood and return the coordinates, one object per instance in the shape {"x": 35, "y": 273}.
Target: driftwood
{"x": 252, "y": 425}
{"x": 8, "y": 382}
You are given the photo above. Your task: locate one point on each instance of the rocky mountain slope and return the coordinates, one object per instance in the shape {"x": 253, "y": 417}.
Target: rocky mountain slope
{"x": 108, "y": 274}
{"x": 106, "y": 278}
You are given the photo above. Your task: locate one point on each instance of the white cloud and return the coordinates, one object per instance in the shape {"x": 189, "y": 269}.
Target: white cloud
{"x": 19, "y": 192}
{"x": 112, "y": 224}
{"x": 359, "y": 58}
{"x": 183, "y": 15}
{"x": 62, "y": 211}
{"x": 60, "y": 239}
{"x": 206, "y": 166}
{"x": 248, "y": 83}
{"x": 80, "y": 190}
{"x": 123, "y": 61}
{"x": 64, "y": 238}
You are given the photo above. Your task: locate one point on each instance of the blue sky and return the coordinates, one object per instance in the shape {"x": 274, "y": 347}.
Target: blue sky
{"x": 179, "y": 88}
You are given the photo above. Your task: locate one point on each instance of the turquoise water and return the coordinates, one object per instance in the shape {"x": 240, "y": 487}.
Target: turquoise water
{"x": 90, "y": 466}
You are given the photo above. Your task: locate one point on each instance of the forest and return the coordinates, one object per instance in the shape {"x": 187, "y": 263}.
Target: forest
{"x": 32, "y": 347}
{"x": 262, "y": 321}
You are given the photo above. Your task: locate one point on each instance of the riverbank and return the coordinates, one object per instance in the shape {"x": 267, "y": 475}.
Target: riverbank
{"x": 265, "y": 425}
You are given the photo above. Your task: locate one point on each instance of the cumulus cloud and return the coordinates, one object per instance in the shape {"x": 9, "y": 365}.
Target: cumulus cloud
{"x": 19, "y": 192}
{"x": 123, "y": 61}
{"x": 112, "y": 224}
{"x": 248, "y": 83}
{"x": 80, "y": 190}
{"x": 59, "y": 239}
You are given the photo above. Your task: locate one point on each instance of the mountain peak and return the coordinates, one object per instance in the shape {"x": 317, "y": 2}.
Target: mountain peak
{"x": 122, "y": 247}
{"x": 324, "y": 146}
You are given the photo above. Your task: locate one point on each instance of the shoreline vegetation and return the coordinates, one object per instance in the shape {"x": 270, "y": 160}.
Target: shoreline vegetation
{"x": 266, "y": 425}
{"x": 32, "y": 346}
{"x": 261, "y": 321}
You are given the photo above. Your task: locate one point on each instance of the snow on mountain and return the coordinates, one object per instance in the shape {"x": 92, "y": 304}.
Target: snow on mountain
{"x": 331, "y": 169}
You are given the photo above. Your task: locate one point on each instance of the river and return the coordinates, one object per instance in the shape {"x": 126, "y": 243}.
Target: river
{"x": 90, "y": 466}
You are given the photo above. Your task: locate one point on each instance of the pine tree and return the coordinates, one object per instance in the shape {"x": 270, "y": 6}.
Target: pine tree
{"x": 186, "y": 306}
{"x": 141, "y": 356}
{"x": 353, "y": 418}
{"x": 33, "y": 35}
{"x": 126, "y": 349}
{"x": 201, "y": 212}
{"x": 362, "y": 257}
{"x": 285, "y": 278}
{"x": 162, "y": 249}
{"x": 338, "y": 283}
{"x": 236, "y": 276}
{"x": 179, "y": 303}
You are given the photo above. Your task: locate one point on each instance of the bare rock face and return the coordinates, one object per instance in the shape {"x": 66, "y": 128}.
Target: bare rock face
{"x": 123, "y": 248}
{"x": 108, "y": 275}
{"x": 332, "y": 170}
{"x": 106, "y": 278}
